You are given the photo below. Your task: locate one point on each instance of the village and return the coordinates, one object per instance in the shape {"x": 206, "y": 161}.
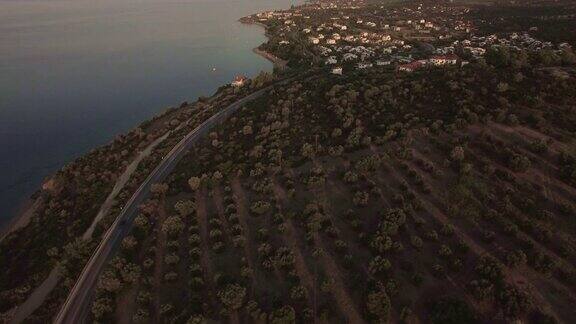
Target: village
{"x": 349, "y": 35}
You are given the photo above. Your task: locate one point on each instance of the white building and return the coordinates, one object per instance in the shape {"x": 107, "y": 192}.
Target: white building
{"x": 239, "y": 81}
{"x": 349, "y": 57}
{"x": 337, "y": 71}
{"x": 443, "y": 60}
{"x": 364, "y": 65}
{"x": 331, "y": 60}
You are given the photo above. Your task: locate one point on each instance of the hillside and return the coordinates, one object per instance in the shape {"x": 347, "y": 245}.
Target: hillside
{"x": 414, "y": 163}
{"x": 368, "y": 197}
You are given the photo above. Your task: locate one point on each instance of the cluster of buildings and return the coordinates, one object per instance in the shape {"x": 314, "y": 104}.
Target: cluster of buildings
{"x": 347, "y": 34}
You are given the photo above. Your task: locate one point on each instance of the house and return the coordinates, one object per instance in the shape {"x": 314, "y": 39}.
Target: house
{"x": 337, "y": 71}
{"x": 383, "y": 62}
{"x": 324, "y": 51}
{"x": 331, "y": 41}
{"x": 443, "y": 59}
{"x": 410, "y": 67}
{"x": 314, "y": 40}
{"x": 349, "y": 57}
{"x": 364, "y": 65}
{"x": 476, "y": 51}
{"x": 239, "y": 81}
{"x": 386, "y": 38}
{"x": 331, "y": 60}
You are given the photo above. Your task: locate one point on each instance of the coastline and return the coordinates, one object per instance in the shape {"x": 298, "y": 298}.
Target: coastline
{"x": 22, "y": 217}
{"x": 276, "y": 61}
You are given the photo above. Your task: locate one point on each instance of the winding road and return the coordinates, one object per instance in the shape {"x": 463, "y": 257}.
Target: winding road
{"x": 76, "y": 306}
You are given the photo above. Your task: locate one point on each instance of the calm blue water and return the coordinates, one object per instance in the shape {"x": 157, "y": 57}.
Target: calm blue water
{"x": 75, "y": 73}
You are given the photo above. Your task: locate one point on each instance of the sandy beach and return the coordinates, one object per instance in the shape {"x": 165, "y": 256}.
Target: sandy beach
{"x": 278, "y": 62}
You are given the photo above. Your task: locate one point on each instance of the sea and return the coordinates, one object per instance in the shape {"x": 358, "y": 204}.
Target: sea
{"x": 76, "y": 73}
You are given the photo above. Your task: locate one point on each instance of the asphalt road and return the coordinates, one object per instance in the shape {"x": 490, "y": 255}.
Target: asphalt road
{"x": 76, "y": 307}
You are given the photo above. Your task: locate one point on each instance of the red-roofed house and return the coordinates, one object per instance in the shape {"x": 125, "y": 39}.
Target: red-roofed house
{"x": 415, "y": 65}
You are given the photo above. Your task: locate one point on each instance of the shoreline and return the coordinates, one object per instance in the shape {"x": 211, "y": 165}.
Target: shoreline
{"x": 276, "y": 61}
{"x": 22, "y": 216}
{"x": 24, "y": 213}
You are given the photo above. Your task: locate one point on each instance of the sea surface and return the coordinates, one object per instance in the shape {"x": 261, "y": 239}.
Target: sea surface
{"x": 76, "y": 73}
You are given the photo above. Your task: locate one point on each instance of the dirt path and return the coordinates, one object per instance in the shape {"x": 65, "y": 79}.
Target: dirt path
{"x": 205, "y": 262}
{"x": 119, "y": 185}
{"x": 125, "y": 305}
{"x": 290, "y": 238}
{"x": 37, "y": 297}
{"x": 340, "y": 291}
{"x": 219, "y": 203}
{"x": 159, "y": 260}
{"x": 243, "y": 214}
